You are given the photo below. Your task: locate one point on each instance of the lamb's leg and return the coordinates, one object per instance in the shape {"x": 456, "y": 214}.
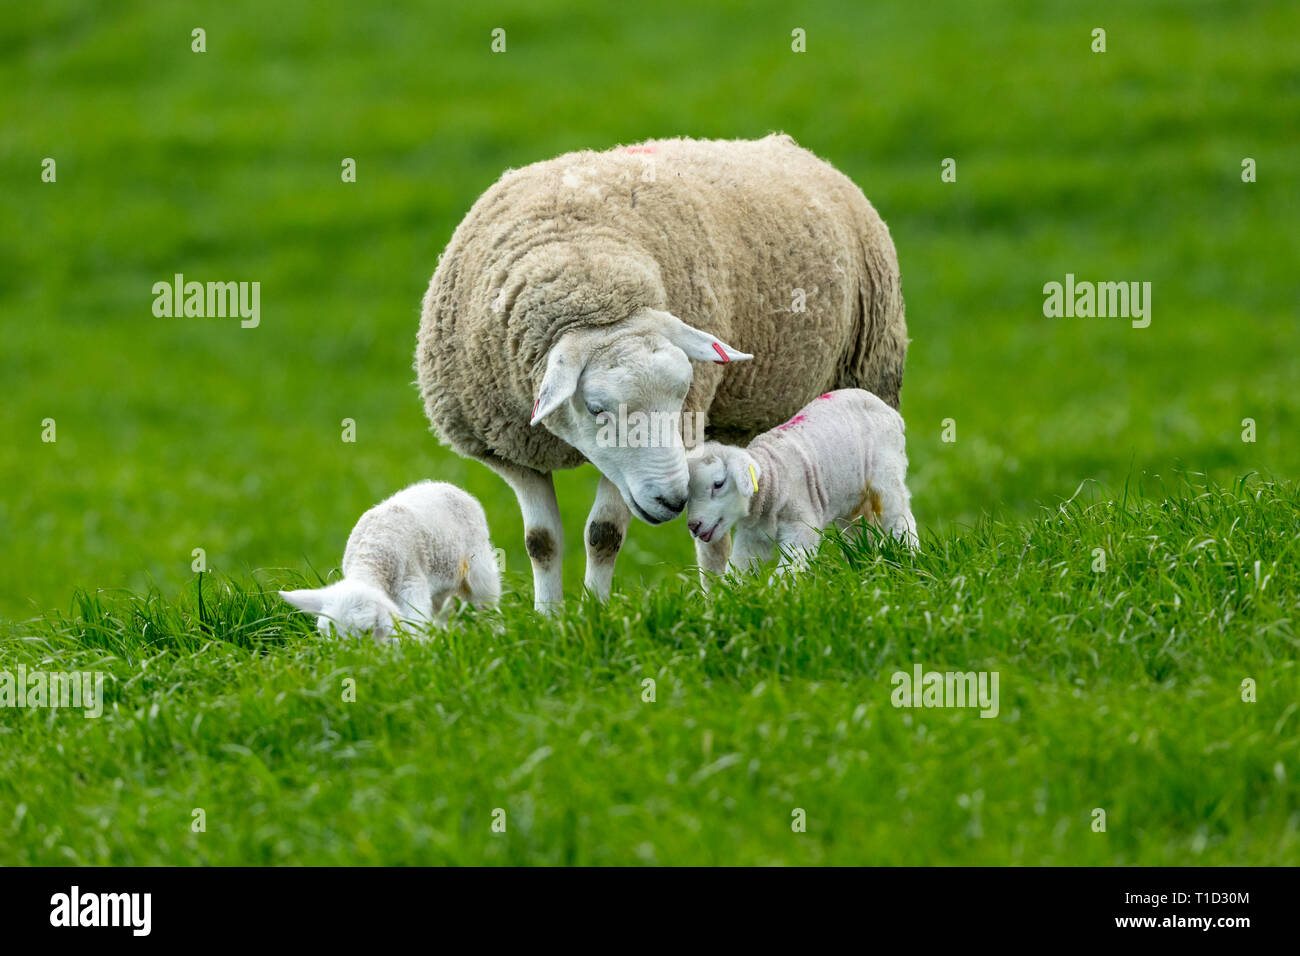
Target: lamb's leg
{"x": 896, "y": 517}
{"x": 797, "y": 546}
{"x": 712, "y": 557}
{"x": 748, "y": 548}
{"x": 442, "y": 605}
{"x": 605, "y": 532}
{"x": 895, "y": 500}
{"x": 543, "y": 533}
{"x": 417, "y": 605}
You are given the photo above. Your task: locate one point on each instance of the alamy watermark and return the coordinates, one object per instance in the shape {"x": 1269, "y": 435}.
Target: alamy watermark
{"x": 83, "y": 690}
{"x": 923, "y": 688}
{"x": 1103, "y": 300}
{"x": 75, "y": 908}
{"x": 638, "y": 429}
{"x": 210, "y": 300}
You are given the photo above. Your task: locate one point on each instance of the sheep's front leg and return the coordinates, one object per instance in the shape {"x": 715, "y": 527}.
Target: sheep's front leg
{"x": 750, "y": 548}
{"x": 605, "y": 532}
{"x": 443, "y": 604}
{"x": 417, "y": 604}
{"x": 712, "y": 557}
{"x": 797, "y": 547}
{"x": 543, "y": 533}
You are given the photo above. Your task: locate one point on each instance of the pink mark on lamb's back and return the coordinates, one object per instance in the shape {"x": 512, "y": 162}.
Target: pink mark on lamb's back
{"x": 824, "y": 395}
{"x": 791, "y": 423}
{"x": 638, "y": 149}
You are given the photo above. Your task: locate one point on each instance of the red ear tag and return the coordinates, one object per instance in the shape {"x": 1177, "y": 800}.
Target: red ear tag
{"x": 718, "y": 348}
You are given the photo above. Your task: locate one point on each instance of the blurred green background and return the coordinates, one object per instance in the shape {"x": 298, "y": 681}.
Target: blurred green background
{"x": 184, "y": 433}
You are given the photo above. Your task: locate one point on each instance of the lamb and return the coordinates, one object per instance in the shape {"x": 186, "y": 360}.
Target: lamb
{"x": 842, "y": 457}
{"x": 405, "y": 559}
{"x": 599, "y": 283}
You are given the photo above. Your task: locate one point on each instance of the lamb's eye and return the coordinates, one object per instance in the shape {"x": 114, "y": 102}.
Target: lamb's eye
{"x": 595, "y": 409}
{"x": 720, "y": 482}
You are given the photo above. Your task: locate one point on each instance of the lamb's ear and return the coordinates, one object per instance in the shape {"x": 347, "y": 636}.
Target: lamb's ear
{"x": 697, "y": 345}
{"x": 563, "y": 366}
{"x": 744, "y": 471}
{"x": 308, "y": 600}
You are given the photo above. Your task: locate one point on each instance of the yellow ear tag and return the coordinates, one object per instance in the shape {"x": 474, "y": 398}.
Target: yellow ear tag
{"x": 753, "y": 477}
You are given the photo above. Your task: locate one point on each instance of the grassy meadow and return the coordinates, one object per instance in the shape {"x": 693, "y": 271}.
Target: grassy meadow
{"x": 1121, "y": 689}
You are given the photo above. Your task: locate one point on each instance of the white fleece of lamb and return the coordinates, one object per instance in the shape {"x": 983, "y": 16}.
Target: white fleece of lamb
{"x": 423, "y": 545}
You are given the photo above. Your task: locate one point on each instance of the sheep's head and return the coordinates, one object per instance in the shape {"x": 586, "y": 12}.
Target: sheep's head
{"x": 350, "y": 608}
{"x": 723, "y": 480}
{"x": 615, "y": 393}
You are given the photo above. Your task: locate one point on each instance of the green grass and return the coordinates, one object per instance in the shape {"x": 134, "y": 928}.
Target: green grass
{"x": 1119, "y": 690}
{"x": 177, "y": 434}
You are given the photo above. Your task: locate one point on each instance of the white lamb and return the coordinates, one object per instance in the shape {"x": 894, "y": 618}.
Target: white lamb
{"x": 405, "y": 559}
{"x": 840, "y": 458}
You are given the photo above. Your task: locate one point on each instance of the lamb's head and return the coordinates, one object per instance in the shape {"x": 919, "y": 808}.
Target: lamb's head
{"x": 352, "y": 608}
{"x": 615, "y": 393}
{"x": 723, "y": 481}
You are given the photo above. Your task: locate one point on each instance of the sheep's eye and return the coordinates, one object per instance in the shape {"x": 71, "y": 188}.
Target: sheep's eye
{"x": 595, "y": 409}
{"x": 720, "y": 482}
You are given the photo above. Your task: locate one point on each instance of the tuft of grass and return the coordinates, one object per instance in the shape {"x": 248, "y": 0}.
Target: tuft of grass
{"x": 1121, "y": 690}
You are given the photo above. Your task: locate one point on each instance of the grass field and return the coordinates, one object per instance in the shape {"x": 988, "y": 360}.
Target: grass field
{"x": 1121, "y": 690}
{"x": 765, "y": 702}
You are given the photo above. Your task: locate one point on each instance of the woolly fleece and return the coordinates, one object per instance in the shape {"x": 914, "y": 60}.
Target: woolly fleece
{"x": 720, "y": 233}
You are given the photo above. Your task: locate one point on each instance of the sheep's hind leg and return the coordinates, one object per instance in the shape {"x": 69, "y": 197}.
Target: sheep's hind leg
{"x": 605, "y": 533}
{"x": 543, "y": 532}
{"x": 897, "y": 517}
{"x": 895, "y": 501}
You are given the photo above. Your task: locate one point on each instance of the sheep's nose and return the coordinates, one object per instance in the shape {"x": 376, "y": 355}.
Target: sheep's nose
{"x": 694, "y": 526}
{"x": 675, "y": 507}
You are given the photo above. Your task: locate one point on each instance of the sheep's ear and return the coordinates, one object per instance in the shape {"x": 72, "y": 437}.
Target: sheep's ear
{"x": 563, "y": 366}
{"x": 744, "y": 471}
{"x": 307, "y": 600}
{"x": 697, "y": 345}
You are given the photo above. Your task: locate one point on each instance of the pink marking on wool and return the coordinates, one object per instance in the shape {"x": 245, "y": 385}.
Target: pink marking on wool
{"x": 535, "y": 404}
{"x": 638, "y": 149}
{"x": 826, "y": 395}
{"x": 791, "y": 423}
{"x": 718, "y": 348}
